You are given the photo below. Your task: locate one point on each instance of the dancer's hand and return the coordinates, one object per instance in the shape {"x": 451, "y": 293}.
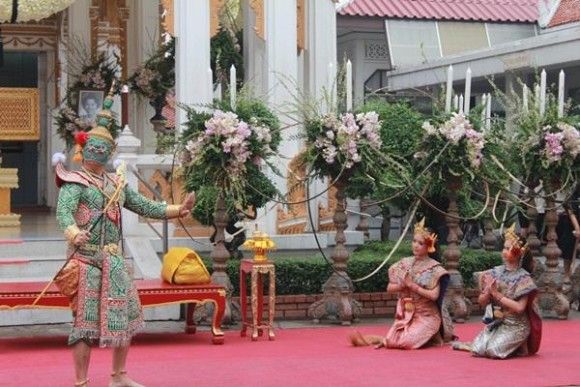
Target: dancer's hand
{"x": 408, "y": 281}
{"x": 187, "y": 205}
{"x": 488, "y": 282}
{"x": 81, "y": 238}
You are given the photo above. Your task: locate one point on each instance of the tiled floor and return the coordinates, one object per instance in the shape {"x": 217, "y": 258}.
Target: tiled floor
{"x": 34, "y": 225}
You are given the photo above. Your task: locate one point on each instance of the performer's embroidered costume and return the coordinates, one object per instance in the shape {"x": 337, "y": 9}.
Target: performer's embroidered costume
{"x": 106, "y": 306}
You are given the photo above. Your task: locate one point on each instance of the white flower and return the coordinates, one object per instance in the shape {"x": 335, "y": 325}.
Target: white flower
{"x": 430, "y": 129}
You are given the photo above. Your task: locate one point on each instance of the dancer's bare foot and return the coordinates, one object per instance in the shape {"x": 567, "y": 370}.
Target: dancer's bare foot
{"x": 460, "y": 346}
{"x": 120, "y": 379}
{"x": 82, "y": 383}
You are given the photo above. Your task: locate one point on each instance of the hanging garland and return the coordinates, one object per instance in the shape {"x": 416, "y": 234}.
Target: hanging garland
{"x": 15, "y": 11}
{"x": 95, "y": 78}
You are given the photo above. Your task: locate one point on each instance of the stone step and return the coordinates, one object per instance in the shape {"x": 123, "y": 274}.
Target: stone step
{"x": 22, "y": 269}
{"x": 10, "y": 248}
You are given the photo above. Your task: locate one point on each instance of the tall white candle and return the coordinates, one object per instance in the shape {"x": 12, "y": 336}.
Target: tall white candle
{"x": 537, "y": 96}
{"x": 456, "y": 102}
{"x": 449, "y": 89}
{"x": 467, "y": 90}
{"x": 483, "y": 103}
{"x": 488, "y": 111}
{"x": 461, "y": 103}
{"x": 561, "y": 82}
{"x": 525, "y": 98}
{"x": 233, "y": 89}
{"x": 542, "y": 92}
{"x": 348, "y": 85}
{"x": 210, "y": 84}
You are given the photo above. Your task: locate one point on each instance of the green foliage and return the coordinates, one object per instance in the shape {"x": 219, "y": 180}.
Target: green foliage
{"x": 307, "y": 275}
{"x": 400, "y": 134}
{"x": 99, "y": 73}
{"x": 226, "y": 50}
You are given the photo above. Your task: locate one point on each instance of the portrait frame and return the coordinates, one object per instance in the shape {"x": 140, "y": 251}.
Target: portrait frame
{"x": 90, "y": 103}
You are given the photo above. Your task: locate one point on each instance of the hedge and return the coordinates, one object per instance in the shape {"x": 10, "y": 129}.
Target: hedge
{"x": 307, "y": 275}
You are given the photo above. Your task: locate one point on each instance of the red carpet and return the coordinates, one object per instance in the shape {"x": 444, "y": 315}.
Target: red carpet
{"x": 299, "y": 357}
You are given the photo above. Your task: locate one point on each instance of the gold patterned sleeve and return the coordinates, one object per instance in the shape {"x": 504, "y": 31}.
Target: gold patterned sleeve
{"x": 68, "y": 202}
{"x": 143, "y": 206}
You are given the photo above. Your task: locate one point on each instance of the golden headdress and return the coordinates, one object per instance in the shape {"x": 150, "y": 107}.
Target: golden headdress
{"x": 516, "y": 249}
{"x": 429, "y": 237}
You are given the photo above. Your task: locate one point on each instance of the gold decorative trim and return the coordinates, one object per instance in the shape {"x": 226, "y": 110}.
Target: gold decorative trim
{"x": 71, "y": 232}
{"x": 9, "y": 220}
{"x": 172, "y": 211}
{"x": 167, "y": 20}
{"x": 300, "y": 24}
{"x": 258, "y": 7}
{"x": 294, "y": 219}
{"x": 19, "y": 114}
{"x": 108, "y": 24}
{"x": 8, "y": 177}
{"x": 214, "y": 13}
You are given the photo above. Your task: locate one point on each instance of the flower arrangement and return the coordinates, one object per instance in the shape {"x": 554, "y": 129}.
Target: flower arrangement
{"x": 156, "y": 76}
{"x": 549, "y": 151}
{"x": 456, "y": 145}
{"x": 342, "y": 144}
{"x": 99, "y": 74}
{"x": 227, "y": 150}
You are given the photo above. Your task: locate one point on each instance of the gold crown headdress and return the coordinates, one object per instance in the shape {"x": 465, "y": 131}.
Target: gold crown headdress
{"x": 516, "y": 249}
{"x": 430, "y": 238}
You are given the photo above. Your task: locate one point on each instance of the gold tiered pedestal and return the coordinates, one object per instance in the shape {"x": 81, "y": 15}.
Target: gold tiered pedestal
{"x": 8, "y": 181}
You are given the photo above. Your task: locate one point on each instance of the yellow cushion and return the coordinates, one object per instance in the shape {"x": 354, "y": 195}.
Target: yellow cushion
{"x": 183, "y": 266}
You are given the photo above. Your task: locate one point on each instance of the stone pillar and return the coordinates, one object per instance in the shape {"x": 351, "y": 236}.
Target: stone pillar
{"x": 127, "y": 147}
{"x": 552, "y": 301}
{"x": 454, "y": 300}
{"x": 338, "y": 300}
{"x": 192, "y": 56}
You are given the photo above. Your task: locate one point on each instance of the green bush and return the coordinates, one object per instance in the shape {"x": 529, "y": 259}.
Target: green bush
{"x": 307, "y": 275}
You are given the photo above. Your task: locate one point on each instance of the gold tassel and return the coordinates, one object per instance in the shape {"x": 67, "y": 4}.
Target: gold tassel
{"x": 78, "y": 156}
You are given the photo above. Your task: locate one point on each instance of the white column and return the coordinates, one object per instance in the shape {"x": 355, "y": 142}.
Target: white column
{"x": 255, "y": 65}
{"x": 321, "y": 47}
{"x": 79, "y": 30}
{"x": 280, "y": 81}
{"x": 143, "y": 25}
{"x": 192, "y": 55}
{"x": 321, "y": 52}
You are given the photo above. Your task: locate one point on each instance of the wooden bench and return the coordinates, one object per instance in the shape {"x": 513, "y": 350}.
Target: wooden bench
{"x": 154, "y": 292}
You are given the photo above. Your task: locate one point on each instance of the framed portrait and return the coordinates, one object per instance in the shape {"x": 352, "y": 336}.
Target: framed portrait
{"x": 90, "y": 103}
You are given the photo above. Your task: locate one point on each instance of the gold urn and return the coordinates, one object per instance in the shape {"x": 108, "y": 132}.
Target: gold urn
{"x": 260, "y": 244}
